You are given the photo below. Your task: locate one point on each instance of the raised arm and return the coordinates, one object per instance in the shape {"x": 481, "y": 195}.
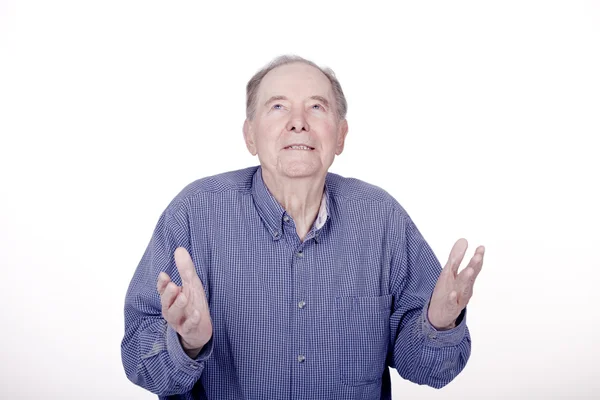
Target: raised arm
{"x": 167, "y": 323}
{"x": 432, "y": 342}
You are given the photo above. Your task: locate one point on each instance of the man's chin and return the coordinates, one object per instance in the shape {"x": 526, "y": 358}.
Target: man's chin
{"x": 300, "y": 170}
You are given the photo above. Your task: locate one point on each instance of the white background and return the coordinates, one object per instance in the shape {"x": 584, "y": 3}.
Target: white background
{"x": 481, "y": 118}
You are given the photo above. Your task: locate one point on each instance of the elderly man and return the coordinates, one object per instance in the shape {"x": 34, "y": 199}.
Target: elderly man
{"x": 284, "y": 281}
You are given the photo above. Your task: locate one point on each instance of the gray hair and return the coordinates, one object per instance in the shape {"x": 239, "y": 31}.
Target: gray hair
{"x": 254, "y": 83}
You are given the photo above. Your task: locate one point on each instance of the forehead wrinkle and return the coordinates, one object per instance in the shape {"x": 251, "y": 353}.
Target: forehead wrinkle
{"x": 315, "y": 79}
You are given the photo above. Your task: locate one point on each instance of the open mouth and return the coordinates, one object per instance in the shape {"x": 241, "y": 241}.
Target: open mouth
{"x": 299, "y": 147}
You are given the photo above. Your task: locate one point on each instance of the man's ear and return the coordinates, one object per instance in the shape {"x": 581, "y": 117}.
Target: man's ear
{"x": 249, "y": 137}
{"x": 342, "y": 132}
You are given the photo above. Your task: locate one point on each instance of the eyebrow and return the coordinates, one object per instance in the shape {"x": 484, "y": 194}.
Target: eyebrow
{"x": 275, "y": 98}
{"x": 321, "y": 99}
{"x": 318, "y": 98}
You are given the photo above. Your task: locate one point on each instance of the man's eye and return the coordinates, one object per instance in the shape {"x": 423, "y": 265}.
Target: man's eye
{"x": 277, "y": 107}
{"x": 317, "y": 107}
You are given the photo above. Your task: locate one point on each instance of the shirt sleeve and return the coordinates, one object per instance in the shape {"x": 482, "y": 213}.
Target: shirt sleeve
{"x": 420, "y": 353}
{"x": 151, "y": 352}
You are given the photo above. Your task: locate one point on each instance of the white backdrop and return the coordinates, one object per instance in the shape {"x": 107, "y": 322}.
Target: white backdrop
{"x": 481, "y": 118}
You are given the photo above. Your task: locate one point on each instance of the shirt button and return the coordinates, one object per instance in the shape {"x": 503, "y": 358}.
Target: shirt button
{"x": 301, "y": 358}
{"x": 286, "y": 219}
{"x": 300, "y": 254}
{"x": 276, "y": 233}
{"x": 432, "y": 336}
{"x": 193, "y": 366}
{"x": 301, "y": 304}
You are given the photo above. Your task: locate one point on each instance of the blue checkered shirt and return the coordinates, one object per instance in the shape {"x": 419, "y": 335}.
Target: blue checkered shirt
{"x": 322, "y": 318}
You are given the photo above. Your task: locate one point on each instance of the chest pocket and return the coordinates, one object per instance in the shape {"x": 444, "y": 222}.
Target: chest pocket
{"x": 363, "y": 331}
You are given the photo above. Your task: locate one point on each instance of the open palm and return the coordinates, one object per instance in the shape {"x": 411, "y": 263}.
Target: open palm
{"x": 185, "y": 308}
{"x": 453, "y": 290}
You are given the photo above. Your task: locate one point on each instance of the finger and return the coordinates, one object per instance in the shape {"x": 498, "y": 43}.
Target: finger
{"x": 162, "y": 282}
{"x": 176, "y": 313}
{"x": 191, "y": 323}
{"x": 452, "y": 306}
{"x": 466, "y": 280}
{"x": 452, "y": 298}
{"x": 185, "y": 266}
{"x": 168, "y": 297}
{"x": 474, "y": 267}
{"x": 456, "y": 255}
{"x": 480, "y": 250}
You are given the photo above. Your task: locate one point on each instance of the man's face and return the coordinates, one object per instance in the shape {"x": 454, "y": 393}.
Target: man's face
{"x": 295, "y": 131}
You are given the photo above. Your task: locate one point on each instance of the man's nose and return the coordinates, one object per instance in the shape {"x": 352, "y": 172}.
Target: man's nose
{"x": 298, "y": 123}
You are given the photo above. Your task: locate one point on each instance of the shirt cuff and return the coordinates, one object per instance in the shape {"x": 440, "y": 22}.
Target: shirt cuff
{"x": 181, "y": 360}
{"x": 447, "y": 338}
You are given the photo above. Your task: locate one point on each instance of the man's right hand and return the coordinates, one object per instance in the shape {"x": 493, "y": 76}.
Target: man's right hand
{"x": 185, "y": 308}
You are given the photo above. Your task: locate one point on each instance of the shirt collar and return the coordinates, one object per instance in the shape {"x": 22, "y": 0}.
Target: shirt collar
{"x": 272, "y": 212}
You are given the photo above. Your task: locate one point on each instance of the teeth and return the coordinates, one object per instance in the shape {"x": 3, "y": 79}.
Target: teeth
{"x": 299, "y": 147}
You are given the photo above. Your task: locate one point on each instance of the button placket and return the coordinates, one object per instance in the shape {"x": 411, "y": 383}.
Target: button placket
{"x": 300, "y": 276}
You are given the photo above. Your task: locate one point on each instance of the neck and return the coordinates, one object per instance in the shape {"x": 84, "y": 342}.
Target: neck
{"x": 300, "y": 197}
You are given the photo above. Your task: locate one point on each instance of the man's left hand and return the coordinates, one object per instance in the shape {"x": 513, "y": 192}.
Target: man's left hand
{"x": 453, "y": 290}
